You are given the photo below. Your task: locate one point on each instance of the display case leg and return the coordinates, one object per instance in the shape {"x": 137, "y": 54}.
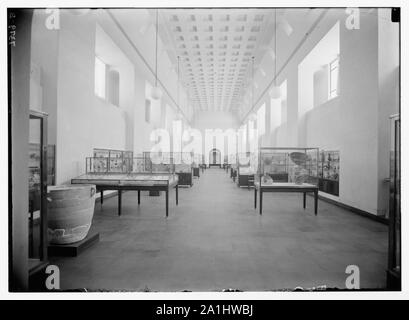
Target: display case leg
{"x": 261, "y": 201}
{"x": 304, "y": 199}
{"x": 177, "y": 194}
{"x": 119, "y": 202}
{"x": 316, "y": 202}
{"x": 139, "y": 196}
{"x": 255, "y": 198}
{"x": 167, "y": 202}
{"x": 102, "y": 197}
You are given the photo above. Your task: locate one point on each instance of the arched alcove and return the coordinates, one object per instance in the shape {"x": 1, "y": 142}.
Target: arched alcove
{"x": 215, "y": 157}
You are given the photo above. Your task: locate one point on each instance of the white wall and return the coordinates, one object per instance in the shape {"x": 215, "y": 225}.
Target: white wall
{"x": 84, "y": 121}
{"x": 132, "y": 22}
{"x": 44, "y": 54}
{"x": 215, "y": 120}
{"x": 358, "y": 114}
{"x": 356, "y": 122}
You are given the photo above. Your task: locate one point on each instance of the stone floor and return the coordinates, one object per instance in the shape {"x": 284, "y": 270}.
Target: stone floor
{"x": 214, "y": 240}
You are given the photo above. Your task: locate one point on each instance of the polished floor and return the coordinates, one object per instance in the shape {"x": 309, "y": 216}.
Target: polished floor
{"x": 215, "y": 240}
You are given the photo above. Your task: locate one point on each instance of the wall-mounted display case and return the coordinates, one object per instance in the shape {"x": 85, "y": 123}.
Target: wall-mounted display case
{"x": 394, "y": 250}
{"x": 292, "y": 165}
{"x": 230, "y": 160}
{"x": 328, "y": 171}
{"x": 37, "y": 188}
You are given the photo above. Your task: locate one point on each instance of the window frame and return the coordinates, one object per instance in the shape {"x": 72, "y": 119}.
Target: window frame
{"x": 104, "y": 90}
{"x": 332, "y": 66}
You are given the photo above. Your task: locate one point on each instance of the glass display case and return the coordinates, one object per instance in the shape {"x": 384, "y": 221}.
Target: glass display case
{"x": 37, "y": 189}
{"x": 246, "y": 167}
{"x": 394, "y": 250}
{"x": 184, "y": 167}
{"x": 183, "y": 163}
{"x": 197, "y": 161}
{"x": 34, "y": 163}
{"x": 288, "y": 165}
{"x": 229, "y": 160}
{"x": 160, "y": 163}
{"x": 109, "y": 160}
{"x": 328, "y": 171}
{"x": 101, "y": 153}
{"x": 116, "y": 161}
{"x": 225, "y": 161}
{"x": 130, "y": 165}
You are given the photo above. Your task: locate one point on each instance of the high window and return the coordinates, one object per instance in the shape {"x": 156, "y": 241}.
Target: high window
{"x": 100, "y": 78}
{"x": 333, "y": 78}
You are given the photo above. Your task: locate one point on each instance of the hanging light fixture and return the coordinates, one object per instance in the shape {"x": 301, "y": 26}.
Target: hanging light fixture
{"x": 156, "y": 91}
{"x": 275, "y": 92}
{"x": 179, "y": 115}
{"x": 178, "y": 71}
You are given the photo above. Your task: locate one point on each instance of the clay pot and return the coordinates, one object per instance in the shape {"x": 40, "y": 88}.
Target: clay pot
{"x": 299, "y": 158}
{"x": 70, "y": 212}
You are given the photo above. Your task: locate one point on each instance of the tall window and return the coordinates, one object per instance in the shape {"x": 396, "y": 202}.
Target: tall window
{"x": 333, "y": 78}
{"x": 100, "y": 77}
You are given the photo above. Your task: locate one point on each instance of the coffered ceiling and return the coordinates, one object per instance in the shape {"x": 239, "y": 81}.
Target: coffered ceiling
{"x": 215, "y": 48}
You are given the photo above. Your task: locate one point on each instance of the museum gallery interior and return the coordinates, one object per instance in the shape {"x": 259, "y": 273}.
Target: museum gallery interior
{"x": 204, "y": 149}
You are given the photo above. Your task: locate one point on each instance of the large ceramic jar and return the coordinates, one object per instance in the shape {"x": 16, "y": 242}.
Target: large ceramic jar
{"x": 70, "y": 212}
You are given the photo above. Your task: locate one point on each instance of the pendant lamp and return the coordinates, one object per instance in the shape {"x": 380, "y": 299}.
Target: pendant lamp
{"x": 156, "y": 92}
{"x": 275, "y": 92}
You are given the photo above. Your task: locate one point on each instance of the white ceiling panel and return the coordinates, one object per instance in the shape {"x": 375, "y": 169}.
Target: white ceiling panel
{"x": 215, "y": 47}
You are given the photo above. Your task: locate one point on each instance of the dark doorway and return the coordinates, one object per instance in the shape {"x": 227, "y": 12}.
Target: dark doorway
{"x": 215, "y": 158}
